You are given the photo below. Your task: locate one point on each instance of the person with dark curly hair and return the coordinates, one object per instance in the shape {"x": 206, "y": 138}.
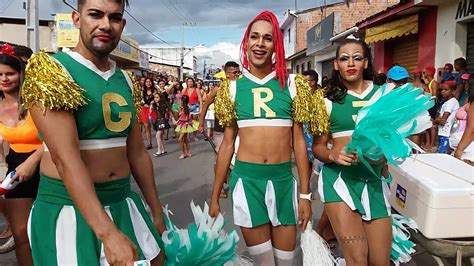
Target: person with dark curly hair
{"x": 184, "y": 126}
{"x": 355, "y": 201}
{"x": 161, "y": 108}
{"x": 146, "y": 117}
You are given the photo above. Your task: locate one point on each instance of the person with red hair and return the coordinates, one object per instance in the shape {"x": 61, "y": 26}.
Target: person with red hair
{"x": 266, "y": 107}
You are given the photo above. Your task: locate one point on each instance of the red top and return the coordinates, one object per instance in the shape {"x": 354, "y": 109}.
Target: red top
{"x": 193, "y": 98}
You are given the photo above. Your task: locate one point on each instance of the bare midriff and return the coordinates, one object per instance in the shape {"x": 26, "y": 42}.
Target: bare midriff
{"x": 265, "y": 145}
{"x": 102, "y": 164}
{"x": 340, "y": 143}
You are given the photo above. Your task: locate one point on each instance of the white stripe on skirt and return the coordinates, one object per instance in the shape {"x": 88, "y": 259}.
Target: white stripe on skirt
{"x": 270, "y": 201}
{"x": 28, "y": 228}
{"x": 103, "y": 259}
{"x": 386, "y": 196}
{"x": 241, "y": 208}
{"x": 66, "y": 250}
{"x": 365, "y": 201}
{"x": 321, "y": 185}
{"x": 145, "y": 238}
{"x": 295, "y": 199}
{"x": 343, "y": 192}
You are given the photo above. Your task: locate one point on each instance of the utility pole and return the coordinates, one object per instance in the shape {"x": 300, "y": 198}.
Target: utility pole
{"x": 181, "y": 65}
{"x": 296, "y": 5}
{"x": 204, "y": 70}
{"x": 32, "y": 25}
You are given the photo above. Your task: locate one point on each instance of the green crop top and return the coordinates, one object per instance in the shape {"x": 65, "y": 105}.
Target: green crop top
{"x": 342, "y": 117}
{"x": 106, "y": 110}
{"x": 262, "y": 102}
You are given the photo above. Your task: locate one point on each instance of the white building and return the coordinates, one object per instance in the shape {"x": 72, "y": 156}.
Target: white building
{"x": 172, "y": 57}
{"x": 454, "y": 31}
{"x": 13, "y": 30}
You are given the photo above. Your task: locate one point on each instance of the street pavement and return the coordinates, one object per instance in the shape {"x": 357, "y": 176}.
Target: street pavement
{"x": 181, "y": 181}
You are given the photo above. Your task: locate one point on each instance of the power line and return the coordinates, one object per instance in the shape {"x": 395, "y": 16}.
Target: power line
{"x": 181, "y": 11}
{"x": 139, "y": 23}
{"x": 180, "y": 17}
{"x": 153, "y": 34}
{"x": 130, "y": 44}
{"x": 5, "y": 7}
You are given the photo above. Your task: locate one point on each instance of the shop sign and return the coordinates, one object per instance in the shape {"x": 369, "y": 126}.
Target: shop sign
{"x": 144, "y": 61}
{"x": 318, "y": 37}
{"x": 127, "y": 49}
{"x": 465, "y": 9}
{"x": 66, "y": 32}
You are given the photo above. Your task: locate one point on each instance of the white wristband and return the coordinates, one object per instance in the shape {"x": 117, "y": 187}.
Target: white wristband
{"x": 306, "y": 196}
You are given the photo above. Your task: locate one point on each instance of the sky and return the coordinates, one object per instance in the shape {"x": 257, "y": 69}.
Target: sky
{"x": 214, "y": 26}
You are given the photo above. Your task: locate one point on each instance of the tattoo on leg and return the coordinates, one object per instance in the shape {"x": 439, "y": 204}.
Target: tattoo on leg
{"x": 352, "y": 239}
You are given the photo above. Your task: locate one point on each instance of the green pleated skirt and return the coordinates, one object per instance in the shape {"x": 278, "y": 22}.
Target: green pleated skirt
{"x": 357, "y": 187}
{"x": 59, "y": 235}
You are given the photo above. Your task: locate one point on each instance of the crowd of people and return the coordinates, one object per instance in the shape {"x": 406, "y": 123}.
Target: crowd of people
{"x": 452, "y": 93}
{"x": 169, "y": 105}
{"x": 73, "y": 148}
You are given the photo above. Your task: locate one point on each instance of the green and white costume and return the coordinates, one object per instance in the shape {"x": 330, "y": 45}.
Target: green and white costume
{"x": 262, "y": 193}
{"x": 104, "y": 105}
{"x": 355, "y": 185}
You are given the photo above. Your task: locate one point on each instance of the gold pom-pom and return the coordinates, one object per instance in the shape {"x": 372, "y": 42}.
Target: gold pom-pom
{"x": 309, "y": 107}
{"x": 302, "y": 103}
{"x": 320, "y": 120}
{"x": 48, "y": 85}
{"x": 136, "y": 93}
{"x": 224, "y": 107}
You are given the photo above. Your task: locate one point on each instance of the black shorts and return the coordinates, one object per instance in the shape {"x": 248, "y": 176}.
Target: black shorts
{"x": 217, "y": 126}
{"x": 161, "y": 124}
{"x": 28, "y": 189}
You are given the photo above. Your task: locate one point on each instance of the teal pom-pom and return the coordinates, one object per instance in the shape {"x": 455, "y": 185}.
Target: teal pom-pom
{"x": 383, "y": 126}
{"x": 204, "y": 242}
{"x": 402, "y": 246}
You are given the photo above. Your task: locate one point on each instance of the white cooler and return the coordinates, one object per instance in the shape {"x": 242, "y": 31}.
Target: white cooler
{"x": 437, "y": 191}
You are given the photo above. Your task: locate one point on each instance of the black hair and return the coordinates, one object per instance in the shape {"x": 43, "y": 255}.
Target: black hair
{"x": 461, "y": 62}
{"x": 184, "y": 103}
{"x": 231, "y": 64}
{"x": 313, "y": 74}
{"x": 400, "y": 82}
{"x": 153, "y": 89}
{"x": 194, "y": 82}
{"x": 11, "y": 61}
{"x": 161, "y": 80}
{"x": 163, "y": 105}
{"x": 336, "y": 90}
{"x": 380, "y": 79}
{"x": 152, "y": 83}
{"x": 324, "y": 81}
{"x": 200, "y": 81}
{"x": 17, "y": 65}
{"x": 124, "y": 3}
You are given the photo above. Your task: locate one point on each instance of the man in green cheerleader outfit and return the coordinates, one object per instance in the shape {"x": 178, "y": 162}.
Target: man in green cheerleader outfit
{"x": 85, "y": 108}
{"x": 266, "y": 108}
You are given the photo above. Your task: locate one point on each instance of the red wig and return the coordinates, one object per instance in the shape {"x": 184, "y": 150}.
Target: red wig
{"x": 280, "y": 65}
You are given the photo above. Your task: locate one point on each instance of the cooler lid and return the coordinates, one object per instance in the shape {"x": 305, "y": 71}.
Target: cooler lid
{"x": 440, "y": 173}
{"x": 448, "y": 164}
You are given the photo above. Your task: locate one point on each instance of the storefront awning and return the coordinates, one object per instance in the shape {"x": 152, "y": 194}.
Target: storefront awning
{"x": 398, "y": 28}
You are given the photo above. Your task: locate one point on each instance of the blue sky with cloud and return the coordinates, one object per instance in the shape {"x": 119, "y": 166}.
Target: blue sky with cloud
{"x": 219, "y": 25}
